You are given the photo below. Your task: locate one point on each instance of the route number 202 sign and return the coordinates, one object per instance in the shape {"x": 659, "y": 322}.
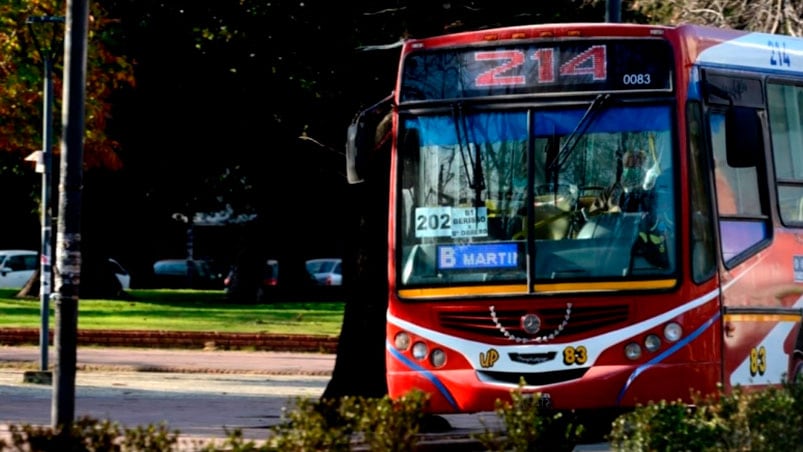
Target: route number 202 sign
{"x": 454, "y": 222}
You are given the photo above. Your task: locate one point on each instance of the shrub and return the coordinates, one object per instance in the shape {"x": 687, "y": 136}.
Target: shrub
{"x": 312, "y": 425}
{"x": 379, "y": 424}
{"x": 668, "y": 426}
{"x": 768, "y": 420}
{"x": 391, "y": 425}
{"x": 88, "y": 434}
{"x": 149, "y": 438}
{"x": 528, "y": 426}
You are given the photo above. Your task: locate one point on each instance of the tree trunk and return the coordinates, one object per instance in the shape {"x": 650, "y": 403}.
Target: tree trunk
{"x": 246, "y": 277}
{"x": 360, "y": 363}
{"x": 31, "y": 288}
{"x": 97, "y": 281}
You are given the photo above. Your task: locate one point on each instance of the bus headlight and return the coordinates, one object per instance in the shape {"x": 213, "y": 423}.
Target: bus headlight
{"x": 633, "y": 351}
{"x": 437, "y": 358}
{"x": 420, "y": 350}
{"x": 401, "y": 341}
{"x": 673, "y": 331}
{"x": 652, "y": 342}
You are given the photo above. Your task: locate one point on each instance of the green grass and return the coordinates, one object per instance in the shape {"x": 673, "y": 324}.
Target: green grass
{"x": 182, "y": 310}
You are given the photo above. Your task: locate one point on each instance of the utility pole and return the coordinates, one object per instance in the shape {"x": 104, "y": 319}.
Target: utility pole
{"x": 68, "y": 243}
{"x": 47, "y": 52}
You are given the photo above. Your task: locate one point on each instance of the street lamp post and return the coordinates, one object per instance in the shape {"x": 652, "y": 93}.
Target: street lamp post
{"x": 47, "y": 53}
{"x": 188, "y": 220}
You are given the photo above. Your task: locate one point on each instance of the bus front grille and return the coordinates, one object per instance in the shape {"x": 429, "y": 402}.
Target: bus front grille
{"x": 500, "y": 323}
{"x": 531, "y": 378}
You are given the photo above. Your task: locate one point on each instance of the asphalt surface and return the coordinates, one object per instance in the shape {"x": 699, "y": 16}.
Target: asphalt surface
{"x": 202, "y": 394}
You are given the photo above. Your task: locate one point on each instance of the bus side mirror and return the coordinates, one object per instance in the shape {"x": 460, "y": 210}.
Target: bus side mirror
{"x": 353, "y": 163}
{"x": 365, "y": 134}
{"x": 744, "y": 137}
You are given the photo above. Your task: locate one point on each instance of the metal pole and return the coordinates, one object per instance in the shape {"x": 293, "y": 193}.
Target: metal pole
{"x": 46, "y": 52}
{"x": 45, "y": 277}
{"x": 68, "y": 245}
{"x": 613, "y": 11}
{"x": 191, "y": 276}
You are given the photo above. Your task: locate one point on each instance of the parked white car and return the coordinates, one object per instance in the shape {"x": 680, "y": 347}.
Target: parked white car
{"x": 17, "y": 267}
{"x": 326, "y": 271}
{"x": 121, "y": 273}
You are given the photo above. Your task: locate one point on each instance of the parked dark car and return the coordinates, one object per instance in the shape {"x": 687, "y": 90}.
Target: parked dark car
{"x": 185, "y": 274}
{"x": 268, "y": 281}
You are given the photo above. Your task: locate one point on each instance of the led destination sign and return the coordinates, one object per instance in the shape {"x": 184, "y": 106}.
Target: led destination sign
{"x": 549, "y": 67}
{"x": 478, "y": 256}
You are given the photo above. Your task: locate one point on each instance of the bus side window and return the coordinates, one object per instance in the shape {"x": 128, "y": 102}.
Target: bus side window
{"x": 785, "y": 107}
{"x": 742, "y": 210}
{"x": 735, "y": 171}
{"x": 738, "y": 236}
{"x": 703, "y": 258}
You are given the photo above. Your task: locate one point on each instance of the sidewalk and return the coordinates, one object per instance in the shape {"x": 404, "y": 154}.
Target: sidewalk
{"x": 177, "y": 360}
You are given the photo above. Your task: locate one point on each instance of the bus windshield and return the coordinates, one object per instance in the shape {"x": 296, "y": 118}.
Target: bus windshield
{"x": 536, "y": 195}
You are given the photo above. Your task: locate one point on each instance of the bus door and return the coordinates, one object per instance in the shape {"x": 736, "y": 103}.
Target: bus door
{"x": 760, "y": 296}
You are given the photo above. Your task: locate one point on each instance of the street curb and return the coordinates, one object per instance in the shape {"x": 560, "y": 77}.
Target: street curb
{"x": 183, "y": 340}
{"x": 96, "y": 367}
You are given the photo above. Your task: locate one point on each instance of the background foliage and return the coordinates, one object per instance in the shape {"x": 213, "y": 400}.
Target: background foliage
{"x": 241, "y": 106}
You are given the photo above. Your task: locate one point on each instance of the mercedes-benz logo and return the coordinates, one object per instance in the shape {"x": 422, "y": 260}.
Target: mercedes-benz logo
{"x": 530, "y": 323}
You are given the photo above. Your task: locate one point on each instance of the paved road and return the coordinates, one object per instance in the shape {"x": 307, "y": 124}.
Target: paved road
{"x": 199, "y": 393}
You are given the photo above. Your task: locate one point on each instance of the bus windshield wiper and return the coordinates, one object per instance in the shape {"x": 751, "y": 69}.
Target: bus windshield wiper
{"x": 579, "y": 130}
{"x": 475, "y": 177}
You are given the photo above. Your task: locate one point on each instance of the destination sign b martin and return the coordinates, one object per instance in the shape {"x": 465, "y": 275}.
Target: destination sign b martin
{"x": 474, "y": 256}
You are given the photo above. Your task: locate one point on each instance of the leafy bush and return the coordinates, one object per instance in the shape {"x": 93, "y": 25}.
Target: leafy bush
{"x": 313, "y": 425}
{"x": 390, "y": 425}
{"x": 767, "y": 420}
{"x": 380, "y": 424}
{"x": 149, "y": 438}
{"x": 376, "y": 424}
{"x": 668, "y": 426}
{"x": 529, "y": 426}
{"x": 88, "y": 434}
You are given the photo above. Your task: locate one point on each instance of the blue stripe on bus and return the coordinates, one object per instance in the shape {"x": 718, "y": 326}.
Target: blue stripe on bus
{"x": 760, "y": 51}
{"x": 494, "y": 127}
{"x": 427, "y": 374}
{"x": 665, "y": 354}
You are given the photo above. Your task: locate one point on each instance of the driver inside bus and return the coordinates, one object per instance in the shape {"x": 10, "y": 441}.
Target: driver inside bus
{"x": 632, "y": 191}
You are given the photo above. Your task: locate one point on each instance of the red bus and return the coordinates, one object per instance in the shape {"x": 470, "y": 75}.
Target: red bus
{"x": 608, "y": 214}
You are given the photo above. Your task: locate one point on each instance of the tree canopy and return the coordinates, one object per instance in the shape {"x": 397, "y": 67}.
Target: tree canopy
{"x": 242, "y": 106}
{"x": 23, "y": 48}
{"x": 24, "y": 45}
